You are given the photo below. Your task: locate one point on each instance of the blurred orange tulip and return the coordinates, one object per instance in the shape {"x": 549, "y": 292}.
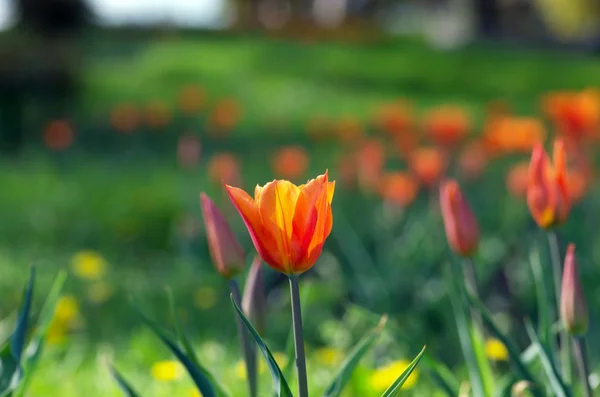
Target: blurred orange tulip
{"x": 288, "y": 224}
{"x": 58, "y": 135}
{"x": 473, "y": 159}
{"x": 517, "y": 180}
{"x": 399, "y": 188}
{"x": 158, "y": 115}
{"x": 547, "y": 191}
{"x": 224, "y": 168}
{"x": 188, "y": 151}
{"x": 318, "y": 128}
{"x": 394, "y": 118}
{"x": 460, "y": 224}
{"x": 514, "y": 134}
{"x": 406, "y": 142}
{"x": 349, "y": 130}
{"x": 429, "y": 165}
{"x": 447, "y": 125}
{"x": 370, "y": 161}
{"x": 225, "y": 116}
{"x": 577, "y": 182}
{"x": 576, "y": 114}
{"x": 125, "y": 118}
{"x": 191, "y": 99}
{"x": 347, "y": 171}
{"x": 290, "y": 162}
{"x": 573, "y": 306}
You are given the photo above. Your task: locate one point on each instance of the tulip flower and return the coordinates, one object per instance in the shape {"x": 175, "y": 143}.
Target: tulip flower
{"x": 226, "y": 252}
{"x": 288, "y": 224}
{"x": 573, "y": 309}
{"x": 547, "y": 193}
{"x": 461, "y": 226}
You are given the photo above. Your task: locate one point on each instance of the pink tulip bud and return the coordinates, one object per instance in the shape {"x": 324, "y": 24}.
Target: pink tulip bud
{"x": 461, "y": 226}
{"x": 254, "y": 301}
{"x": 226, "y": 252}
{"x": 573, "y": 308}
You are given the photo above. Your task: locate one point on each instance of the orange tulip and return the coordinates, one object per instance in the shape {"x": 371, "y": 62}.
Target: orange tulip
{"x": 429, "y": 164}
{"x": 125, "y": 118}
{"x": 399, "y": 188}
{"x": 576, "y": 114}
{"x": 224, "y": 168}
{"x": 517, "y": 180}
{"x": 394, "y": 118}
{"x": 191, "y": 99}
{"x": 547, "y": 192}
{"x": 288, "y": 224}
{"x": 290, "y": 162}
{"x": 472, "y": 160}
{"x": 573, "y": 308}
{"x": 349, "y": 130}
{"x": 58, "y": 135}
{"x": 225, "y": 116}
{"x": 461, "y": 226}
{"x": 447, "y": 125}
{"x": 226, "y": 252}
{"x": 370, "y": 162}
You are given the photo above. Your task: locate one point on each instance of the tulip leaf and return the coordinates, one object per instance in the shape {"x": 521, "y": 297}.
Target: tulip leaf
{"x": 395, "y": 387}
{"x": 17, "y": 340}
{"x": 557, "y": 385}
{"x": 513, "y": 351}
{"x": 200, "y": 378}
{"x": 10, "y": 371}
{"x": 485, "y": 369}
{"x": 347, "y": 367}
{"x": 36, "y": 344}
{"x": 189, "y": 349}
{"x": 124, "y": 385}
{"x": 441, "y": 376}
{"x": 279, "y": 383}
{"x": 542, "y": 298}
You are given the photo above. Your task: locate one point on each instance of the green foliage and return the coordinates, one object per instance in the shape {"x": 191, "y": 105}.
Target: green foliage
{"x": 395, "y": 387}
{"x": 125, "y": 387}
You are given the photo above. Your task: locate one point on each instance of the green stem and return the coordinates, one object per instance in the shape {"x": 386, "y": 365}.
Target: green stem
{"x": 582, "y": 364}
{"x": 298, "y": 337}
{"x": 565, "y": 357}
{"x": 248, "y": 348}
{"x": 471, "y": 283}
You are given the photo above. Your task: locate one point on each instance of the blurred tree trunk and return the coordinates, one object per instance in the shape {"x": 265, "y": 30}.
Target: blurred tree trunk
{"x": 488, "y": 17}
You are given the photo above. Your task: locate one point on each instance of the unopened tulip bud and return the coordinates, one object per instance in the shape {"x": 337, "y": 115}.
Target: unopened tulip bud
{"x": 461, "y": 226}
{"x": 254, "y": 301}
{"x": 226, "y": 252}
{"x": 573, "y": 308}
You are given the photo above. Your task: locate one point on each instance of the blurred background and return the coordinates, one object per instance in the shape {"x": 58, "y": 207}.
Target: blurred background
{"x": 115, "y": 115}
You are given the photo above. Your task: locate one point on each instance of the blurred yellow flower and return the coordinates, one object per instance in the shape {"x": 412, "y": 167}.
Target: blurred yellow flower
{"x": 383, "y": 377}
{"x": 328, "y": 356}
{"x": 167, "y": 371}
{"x": 67, "y": 310}
{"x": 195, "y": 393}
{"x": 89, "y": 265}
{"x": 240, "y": 367}
{"x": 99, "y": 292}
{"x": 205, "y": 298}
{"x": 57, "y": 333}
{"x": 495, "y": 350}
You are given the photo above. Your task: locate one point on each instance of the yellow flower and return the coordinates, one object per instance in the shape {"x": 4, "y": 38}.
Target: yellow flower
{"x": 328, "y": 356}
{"x": 205, "y": 298}
{"x": 195, "y": 393}
{"x": 88, "y": 265}
{"x": 495, "y": 350}
{"x": 99, "y": 292}
{"x": 384, "y": 376}
{"x": 57, "y": 333}
{"x": 67, "y": 310}
{"x": 167, "y": 371}
{"x": 240, "y": 366}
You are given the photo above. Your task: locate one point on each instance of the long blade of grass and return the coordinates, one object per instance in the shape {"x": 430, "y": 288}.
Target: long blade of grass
{"x": 395, "y": 387}
{"x": 441, "y": 376}
{"x": 345, "y": 372}
{"x": 543, "y": 299}
{"x": 17, "y": 340}
{"x": 123, "y": 384}
{"x": 279, "y": 383}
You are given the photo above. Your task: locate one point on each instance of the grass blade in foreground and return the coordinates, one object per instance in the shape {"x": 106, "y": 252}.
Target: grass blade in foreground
{"x": 395, "y": 387}
{"x": 513, "y": 351}
{"x": 441, "y": 376}
{"x": 345, "y": 371}
{"x": 202, "y": 381}
{"x": 556, "y": 383}
{"x": 10, "y": 372}
{"x": 123, "y": 384}
{"x": 279, "y": 383}
{"x": 189, "y": 349}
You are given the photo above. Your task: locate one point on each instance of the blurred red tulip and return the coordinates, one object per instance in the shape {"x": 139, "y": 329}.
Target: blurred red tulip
{"x": 517, "y": 180}
{"x": 460, "y": 224}
{"x": 225, "y": 116}
{"x": 399, "y": 188}
{"x": 349, "y": 130}
{"x": 473, "y": 159}
{"x": 370, "y": 161}
{"x": 575, "y": 114}
{"x": 447, "y": 125}
{"x": 573, "y": 307}
{"x": 429, "y": 165}
{"x": 514, "y": 134}
{"x": 125, "y": 118}
{"x": 394, "y": 118}
{"x": 547, "y": 192}
{"x": 405, "y": 143}
{"x": 346, "y": 171}
{"x": 58, "y": 135}
{"x": 191, "y": 99}
{"x": 290, "y": 162}
{"x": 224, "y": 168}
{"x": 188, "y": 151}
{"x": 226, "y": 252}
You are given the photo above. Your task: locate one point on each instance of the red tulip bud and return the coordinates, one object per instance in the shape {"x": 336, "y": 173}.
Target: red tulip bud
{"x": 226, "y": 252}
{"x": 461, "y": 226}
{"x": 254, "y": 301}
{"x": 573, "y": 308}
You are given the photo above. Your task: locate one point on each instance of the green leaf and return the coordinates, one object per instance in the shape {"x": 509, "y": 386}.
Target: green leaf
{"x": 557, "y": 385}
{"x": 17, "y": 340}
{"x": 463, "y": 320}
{"x": 202, "y": 381}
{"x": 347, "y": 367}
{"x": 513, "y": 351}
{"x": 399, "y": 382}
{"x": 189, "y": 349}
{"x": 543, "y": 299}
{"x": 10, "y": 371}
{"x": 441, "y": 376}
{"x": 125, "y": 387}
{"x": 485, "y": 369}
{"x": 279, "y": 383}
{"x": 36, "y": 344}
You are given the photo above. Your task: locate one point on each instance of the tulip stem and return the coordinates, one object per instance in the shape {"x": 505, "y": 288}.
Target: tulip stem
{"x": 565, "y": 357}
{"x": 298, "y": 337}
{"x": 248, "y": 349}
{"x": 582, "y": 364}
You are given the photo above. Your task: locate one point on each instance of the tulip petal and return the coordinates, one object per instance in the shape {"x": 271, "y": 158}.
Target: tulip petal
{"x": 306, "y": 216}
{"x": 263, "y": 241}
